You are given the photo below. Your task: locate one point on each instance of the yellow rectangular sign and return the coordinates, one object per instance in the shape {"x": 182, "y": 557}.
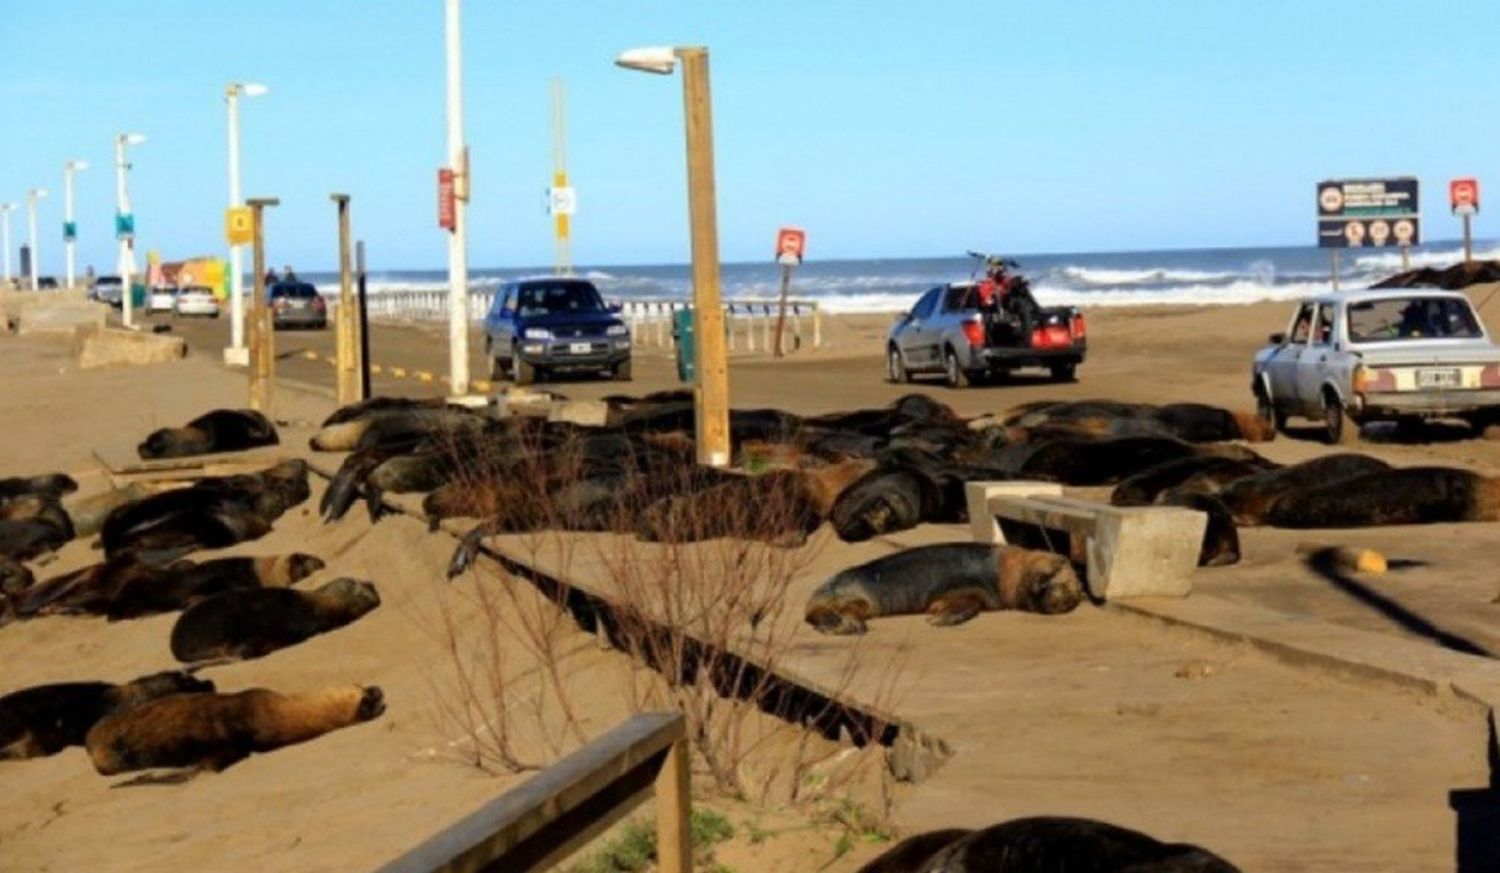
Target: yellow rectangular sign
{"x": 239, "y": 225}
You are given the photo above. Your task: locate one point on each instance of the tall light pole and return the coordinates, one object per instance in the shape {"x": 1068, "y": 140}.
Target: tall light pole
{"x": 5, "y": 210}
{"x": 711, "y": 361}
{"x": 125, "y": 222}
{"x": 458, "y": 163}
{"x": 70, "y": 230}
{"x": 237, "y": 354}
{"x": 32, "y": 197}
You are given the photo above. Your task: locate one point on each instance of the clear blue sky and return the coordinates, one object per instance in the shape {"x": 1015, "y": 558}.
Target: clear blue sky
{"x": 884, "y": 128}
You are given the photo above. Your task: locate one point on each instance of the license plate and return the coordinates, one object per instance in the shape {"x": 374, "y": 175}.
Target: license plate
{"x": 579, "y": 348}
{"x": 1446, "y": 378}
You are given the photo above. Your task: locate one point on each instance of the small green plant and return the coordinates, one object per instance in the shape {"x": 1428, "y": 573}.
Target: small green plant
{"x": 709, "y": 828}
{"x": 755, "y": 832}
{"x": 634, "y": 850}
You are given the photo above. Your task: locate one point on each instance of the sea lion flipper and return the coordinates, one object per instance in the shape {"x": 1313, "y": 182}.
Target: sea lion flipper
{"x": 955, "y": 608}
{"x": 373, "y": 503}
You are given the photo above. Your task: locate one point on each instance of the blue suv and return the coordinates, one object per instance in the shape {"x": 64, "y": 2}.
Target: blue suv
{"x": 540, "y": 326}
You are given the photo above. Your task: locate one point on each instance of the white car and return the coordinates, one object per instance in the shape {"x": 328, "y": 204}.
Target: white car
{"x": 161, "y": 299}
{"x": 196, "y": 300}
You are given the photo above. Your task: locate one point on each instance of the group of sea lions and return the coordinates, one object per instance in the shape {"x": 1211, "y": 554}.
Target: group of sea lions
{"x": 231, "y": 608}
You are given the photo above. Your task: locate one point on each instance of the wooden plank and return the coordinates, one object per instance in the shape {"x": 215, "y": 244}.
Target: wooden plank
{"x": 619, "y": 767}
{"x": 123, "y": 461}
{"x": 674, "y": 834}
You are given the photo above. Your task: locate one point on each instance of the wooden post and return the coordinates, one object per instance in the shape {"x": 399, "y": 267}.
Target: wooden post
{"x": 262, "y": 340}
{"x": 1468, "y": 241}
{"x": 363, "y": 327}
{"x": 786, "y": 284}
{"x": 346, "y": 351}
{"x": 1334, "y": 270}
{"x": 712, "y": 390}
{"x": 1405, "y": 258}
{"x": 674, "y": 836}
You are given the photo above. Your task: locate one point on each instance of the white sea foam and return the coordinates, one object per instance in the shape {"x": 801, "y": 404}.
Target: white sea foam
{"x": 1150, "y": 276}
{"x": 1390, "y": 262}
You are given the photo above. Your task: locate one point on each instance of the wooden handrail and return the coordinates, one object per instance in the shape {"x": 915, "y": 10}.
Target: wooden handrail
{"x": 553, "y": 814}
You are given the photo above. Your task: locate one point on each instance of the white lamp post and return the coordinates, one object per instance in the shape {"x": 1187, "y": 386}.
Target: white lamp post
{"x": 458, "y": 162}
{"x": 125, "y": 222}
{"x": 5, "y": 210}
{"x": 70, "y": 230}
{"x": 711, "y": 393}
{"x": 237, "y": 354}
{"x": 32, "y": 197}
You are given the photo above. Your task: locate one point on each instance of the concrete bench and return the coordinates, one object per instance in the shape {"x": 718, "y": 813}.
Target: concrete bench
{"x": 1128, "y": 551}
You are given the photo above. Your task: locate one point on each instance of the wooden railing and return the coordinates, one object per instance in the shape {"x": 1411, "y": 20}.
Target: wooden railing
{"x": 540, "y": 823}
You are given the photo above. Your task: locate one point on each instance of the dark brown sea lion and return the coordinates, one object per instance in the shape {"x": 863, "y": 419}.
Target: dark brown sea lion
{"x": 1085, "y": 461}
{"x": 912, "y": 853}
{"x": 35, "y": 526}
{"x": 211, "y": 513}
{"x": 53, "y": 485}
{"x": 222, "y": 430}
{"x": 1221, "y": 538}
{"x": 213, "y": 731}
{"x": 15, "y": 577}
{"x": 1057, "y": 844}
{"x": 951, "y": 583}
{"x": 45, "y": 719}
{"x": 1206, "y": 473}
{"x": 254, "y": 622}
{"x": 1190, "y": 422}
{"x": 387, "y": 421}
{"x": 1250, "y": 498}
{"x": 1410, "y": 495}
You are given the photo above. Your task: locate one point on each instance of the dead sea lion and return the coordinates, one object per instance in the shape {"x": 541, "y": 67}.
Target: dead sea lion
{"x": 1206, "y": 473}
{"x": 52, "y": 485}
{"x": 1409, "y": 495}
{"x": 211, "y": 513}
{"x": 254, "y": 622}
{"x": 912, "y": 853}
{"x": 1250, "y": 498}
{"x": 222, "y": 430}
{"x": 952, "y": 583}
{"x": 212, "y": 731}
{"x": 45, "y": 719}
{"x": 1055, "y": 843}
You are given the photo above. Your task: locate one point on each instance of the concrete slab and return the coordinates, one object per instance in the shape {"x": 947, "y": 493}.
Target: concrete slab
{"x": 109, "y": 347}
{"x": 978, "y": 494}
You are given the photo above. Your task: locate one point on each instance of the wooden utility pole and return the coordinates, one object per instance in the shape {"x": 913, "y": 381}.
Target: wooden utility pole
{"x": 786, "y": 284}
{"x": 345, "y": 327}
{"x": 712, "y": 364}
{"x": 262, "y": 340}
{"x": 562, "y": 215}
{"x": 1468, "y": 241}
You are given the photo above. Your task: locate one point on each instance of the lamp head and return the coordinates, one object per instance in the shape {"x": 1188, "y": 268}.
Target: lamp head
{"x": 37, "y": 193}
{"x": 131, "y": 138}
{"x": 661, "y": 60}
{"x": 78, "y": 165}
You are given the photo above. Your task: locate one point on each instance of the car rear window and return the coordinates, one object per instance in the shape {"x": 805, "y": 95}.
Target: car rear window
{"x": 1408, "y": 318}
{"x": 301, "y": 290}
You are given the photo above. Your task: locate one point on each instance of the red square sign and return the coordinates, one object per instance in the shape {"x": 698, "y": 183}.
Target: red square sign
{"x": 1463, "y": 195}
{"x": 790, "y": 243}
{"x": 447, "y": 215}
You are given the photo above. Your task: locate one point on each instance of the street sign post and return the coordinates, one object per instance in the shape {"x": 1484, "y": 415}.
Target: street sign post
{"x": 239, "y": 225}
{"x": 70, "y": 231}
{"x": 124, "y": 225}
{"x": 1376, "y": 213}
{"x": 791, "y": 242}
{"x": 1463, "y": 197}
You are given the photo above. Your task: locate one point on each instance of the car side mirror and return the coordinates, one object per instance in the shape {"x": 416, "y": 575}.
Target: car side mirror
{"x": 1278, "y": 339}
{"x": 616, "y": 307}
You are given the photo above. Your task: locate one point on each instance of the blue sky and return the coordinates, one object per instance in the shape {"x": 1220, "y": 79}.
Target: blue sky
{"x": 886, "y": 129}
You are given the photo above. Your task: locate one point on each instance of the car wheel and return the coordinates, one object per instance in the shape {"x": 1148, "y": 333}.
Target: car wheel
{"x": 1338, "y": 428}
{"x": 497, "y": 367}
{"x": 953, "y": 374}
{"x": 1064, "y": 372}
{"x": 1268, "y": 411}
{"x": 523, "y": 373}
{"x": 895, "y": 367}
{"x": 622, "y": 371}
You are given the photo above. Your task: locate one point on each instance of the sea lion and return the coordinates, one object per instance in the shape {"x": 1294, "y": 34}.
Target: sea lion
{"x": 35, "y": 526}
{"x": 209, "y": 731}
{"x": 385, "y": 421}
{"x": 45, "y": 719}
{"x": 53, "y": 485}
{"x": 15, "y": 577}
{"x": 912, "y": 853}
{"x": 952, "y": 583}
{"x": 222, "y": 430}
{"x": 1250, "y": 498}
{"x": 1087, "y": 461}
{"x": 1055, "y": 843}
{"x": 1203, "y": 473}
{"x": 253, "y": 622}
{"x": 1190, "y": 422}
{"x": 1410, "y": 495}
{"x": 211, "y": 513}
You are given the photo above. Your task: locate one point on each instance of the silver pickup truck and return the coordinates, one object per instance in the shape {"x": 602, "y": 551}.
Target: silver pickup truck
{"x": 1397, "y": 355}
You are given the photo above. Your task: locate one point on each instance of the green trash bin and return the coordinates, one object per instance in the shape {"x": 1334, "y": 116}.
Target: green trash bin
{"x": 682, "y": 337}
{"x": 138, "y": 296}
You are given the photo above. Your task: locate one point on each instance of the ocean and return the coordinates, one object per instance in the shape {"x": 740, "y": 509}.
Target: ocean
{"x": 1203, "y": 276}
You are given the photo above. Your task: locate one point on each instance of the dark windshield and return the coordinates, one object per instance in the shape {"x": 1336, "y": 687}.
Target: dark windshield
{"x": 299, "y": 290}
{"x": 546, "y": 299}
{"x": 1404, "y": 318}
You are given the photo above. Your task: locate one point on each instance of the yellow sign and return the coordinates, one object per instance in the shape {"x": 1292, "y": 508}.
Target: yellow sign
{"x": 239, "y": 225}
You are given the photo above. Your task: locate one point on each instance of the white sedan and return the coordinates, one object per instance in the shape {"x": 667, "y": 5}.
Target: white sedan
{"x": 196, "y": 300}
{"x": 161, "y": 299}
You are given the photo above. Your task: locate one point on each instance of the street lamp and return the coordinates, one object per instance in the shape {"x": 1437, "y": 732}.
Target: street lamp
{"x": 5, "y": 210}
{"x": 711, "y": 359}
{"x": 125, "y": 222}
{"x": 237, "y": 354}
{"x": 70, "y": 230}
{"x": 32, "y": 197}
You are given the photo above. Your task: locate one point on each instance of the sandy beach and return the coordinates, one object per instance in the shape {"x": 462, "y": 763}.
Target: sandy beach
{"x": 1276, "y": 766}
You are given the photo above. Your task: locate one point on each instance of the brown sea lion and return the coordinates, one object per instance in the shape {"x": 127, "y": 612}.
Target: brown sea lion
{"x": 52, "y": 485}
{"x": 1055, "y": 843}
{"x": 1206, "y": 473}
{"x": 212, "y": 731}
{"x": 952, "y": 583}
{"x": 254, "y": 622}
{"x": 222, "y": 430}
{"x": 912, "y": 853}
{"x": 45, "y": 719}
{"x": 35, "y": 527}
{"x": 1190, "y": 422}
{"x": 1410, "y": 495}
{"x": 384, "y": 421}
{"x": 213, "y": 512}
{"x": 15, "y": 577}
{"x": 1250, "y": 498}
{"x": 1086, "y": 461}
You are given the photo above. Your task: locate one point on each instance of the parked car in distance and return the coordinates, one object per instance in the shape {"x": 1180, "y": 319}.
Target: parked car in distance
{"x": 296, "y": 304}
{"x": 545, "y": 325}
{"x": 107, "y": 289}
{"x": 196, "y": 300}
{"x": 46, "y": 283}
{"x": 947, "y": 333}
{"x": 161, "y": 299}
{"x": 1353, "y": 357}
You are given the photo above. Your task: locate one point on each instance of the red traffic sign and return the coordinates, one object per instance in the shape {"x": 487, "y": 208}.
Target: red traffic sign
{"x": 447, "y": 213}
{"x": 790, "y": 244}
{"x": 1463, "y": 195}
